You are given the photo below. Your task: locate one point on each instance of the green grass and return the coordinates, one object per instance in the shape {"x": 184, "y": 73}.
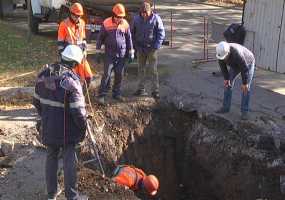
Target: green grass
{"x": 19, "y": 55}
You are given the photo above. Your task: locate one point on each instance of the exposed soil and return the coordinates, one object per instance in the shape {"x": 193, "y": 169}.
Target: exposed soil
{"x": 195, "y": 155}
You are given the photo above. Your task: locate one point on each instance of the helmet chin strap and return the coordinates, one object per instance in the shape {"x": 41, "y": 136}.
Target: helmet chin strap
{"x": 73, "y": 21}
{"x": 69, "y": 64}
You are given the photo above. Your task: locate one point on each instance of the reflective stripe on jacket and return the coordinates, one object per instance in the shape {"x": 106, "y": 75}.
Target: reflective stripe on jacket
{"x": 116, "y": 38}
{"x": 129, "y": 176}
{"x": 59, "y": 101}
{"x": 149, "y": 34}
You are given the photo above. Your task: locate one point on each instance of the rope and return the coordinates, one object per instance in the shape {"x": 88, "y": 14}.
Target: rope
{"x": 64, "y": 122}
{"x": 95, "y": 147}
{"x": 89, "y": 103}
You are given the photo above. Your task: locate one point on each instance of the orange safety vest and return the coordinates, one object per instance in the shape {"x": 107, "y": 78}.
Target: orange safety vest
{"x": 75, "y": 34}
{"x": 71, "y": 32}
{"x": 129, "y": 176}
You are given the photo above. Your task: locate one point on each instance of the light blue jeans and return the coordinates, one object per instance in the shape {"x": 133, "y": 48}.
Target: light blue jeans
{"x": 245, "y": 97}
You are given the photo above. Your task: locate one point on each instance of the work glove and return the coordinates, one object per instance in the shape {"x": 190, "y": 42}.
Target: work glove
{"x": 82, "y": 45}
{"x": 131, "y": 55}
{"x": 227, "y": 83}
{"x": 89, "y": 116}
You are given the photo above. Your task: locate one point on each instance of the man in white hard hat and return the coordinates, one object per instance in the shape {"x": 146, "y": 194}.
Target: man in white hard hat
{"x": 60, "y": 103}
{"x": 240, "y": 60}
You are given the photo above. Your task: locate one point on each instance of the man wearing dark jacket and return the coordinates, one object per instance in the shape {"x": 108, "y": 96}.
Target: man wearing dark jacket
{"x": 240, "y": 61}
{"x": 60, "y": 103}
{"x": 115, "y": 34}
{"x": 148, "y": 34}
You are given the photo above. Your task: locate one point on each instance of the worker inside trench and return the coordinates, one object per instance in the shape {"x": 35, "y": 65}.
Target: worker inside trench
{"x": 150, "y": 141}
{"x": 186, "y": 153}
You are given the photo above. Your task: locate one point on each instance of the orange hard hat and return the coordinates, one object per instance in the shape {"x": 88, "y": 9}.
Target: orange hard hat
{"x": 151, "y": 184}
{"x": 119, "y": 10}
{"x": 76, "y": 9}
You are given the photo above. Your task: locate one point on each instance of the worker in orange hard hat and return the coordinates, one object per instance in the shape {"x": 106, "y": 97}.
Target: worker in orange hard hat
{"x": 119, "y": 10}
{"x": 116, "y": 36}
{"x": 135, "y": 179}
{"x": 72, "y": 31}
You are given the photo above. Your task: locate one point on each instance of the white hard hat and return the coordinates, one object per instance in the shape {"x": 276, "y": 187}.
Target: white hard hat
{"x": 222, "y": 50}
{"x": 72, "y": 53}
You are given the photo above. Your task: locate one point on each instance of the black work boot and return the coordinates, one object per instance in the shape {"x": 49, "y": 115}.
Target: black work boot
{"x": 155, "y": 95}
{"x": 140, "y": 92}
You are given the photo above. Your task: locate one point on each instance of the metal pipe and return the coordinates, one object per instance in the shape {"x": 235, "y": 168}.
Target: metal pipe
{"x": 243, "y": 9}
{"x": 207, "y": 37}
{"x": 279, "y": 38}
{"x": 204, "y": 40}
{"x": 199, "y": 61}
{"x": 171, "y": 29}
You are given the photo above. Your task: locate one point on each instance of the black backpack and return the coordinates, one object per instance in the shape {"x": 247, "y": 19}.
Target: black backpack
{"x": 235, "y": 33}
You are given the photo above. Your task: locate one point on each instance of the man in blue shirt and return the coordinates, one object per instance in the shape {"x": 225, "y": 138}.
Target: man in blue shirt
{"x": 148, "y": 34}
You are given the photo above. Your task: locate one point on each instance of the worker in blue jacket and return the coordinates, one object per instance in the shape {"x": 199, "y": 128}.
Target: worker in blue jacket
{"x": 148, "y": 34}
{"x": 115, "y": 34}
{"x": 60, "y": 103}
{"x": 235, "y": 59}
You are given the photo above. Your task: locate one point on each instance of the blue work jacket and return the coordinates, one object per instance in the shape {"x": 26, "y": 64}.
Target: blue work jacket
{"x": 147, "y": 34}
{"x": 117, "y": 38}
{"x": 60, "y": 103}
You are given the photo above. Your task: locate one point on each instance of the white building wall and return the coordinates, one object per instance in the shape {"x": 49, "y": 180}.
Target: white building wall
{"x": 281, "y": 52}
{"x": 262, "y": 18}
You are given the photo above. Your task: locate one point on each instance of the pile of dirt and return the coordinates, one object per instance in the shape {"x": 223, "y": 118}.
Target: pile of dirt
{"x": 207, "y": 156}
{"x": 11, "y": 96}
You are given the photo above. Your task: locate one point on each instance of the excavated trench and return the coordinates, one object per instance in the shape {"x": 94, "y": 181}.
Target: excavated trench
{"x": 196, "y": 156}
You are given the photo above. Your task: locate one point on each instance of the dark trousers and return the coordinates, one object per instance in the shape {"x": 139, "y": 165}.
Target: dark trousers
{"x": 69, "y": 167}
{"x": 112, "y": 64}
